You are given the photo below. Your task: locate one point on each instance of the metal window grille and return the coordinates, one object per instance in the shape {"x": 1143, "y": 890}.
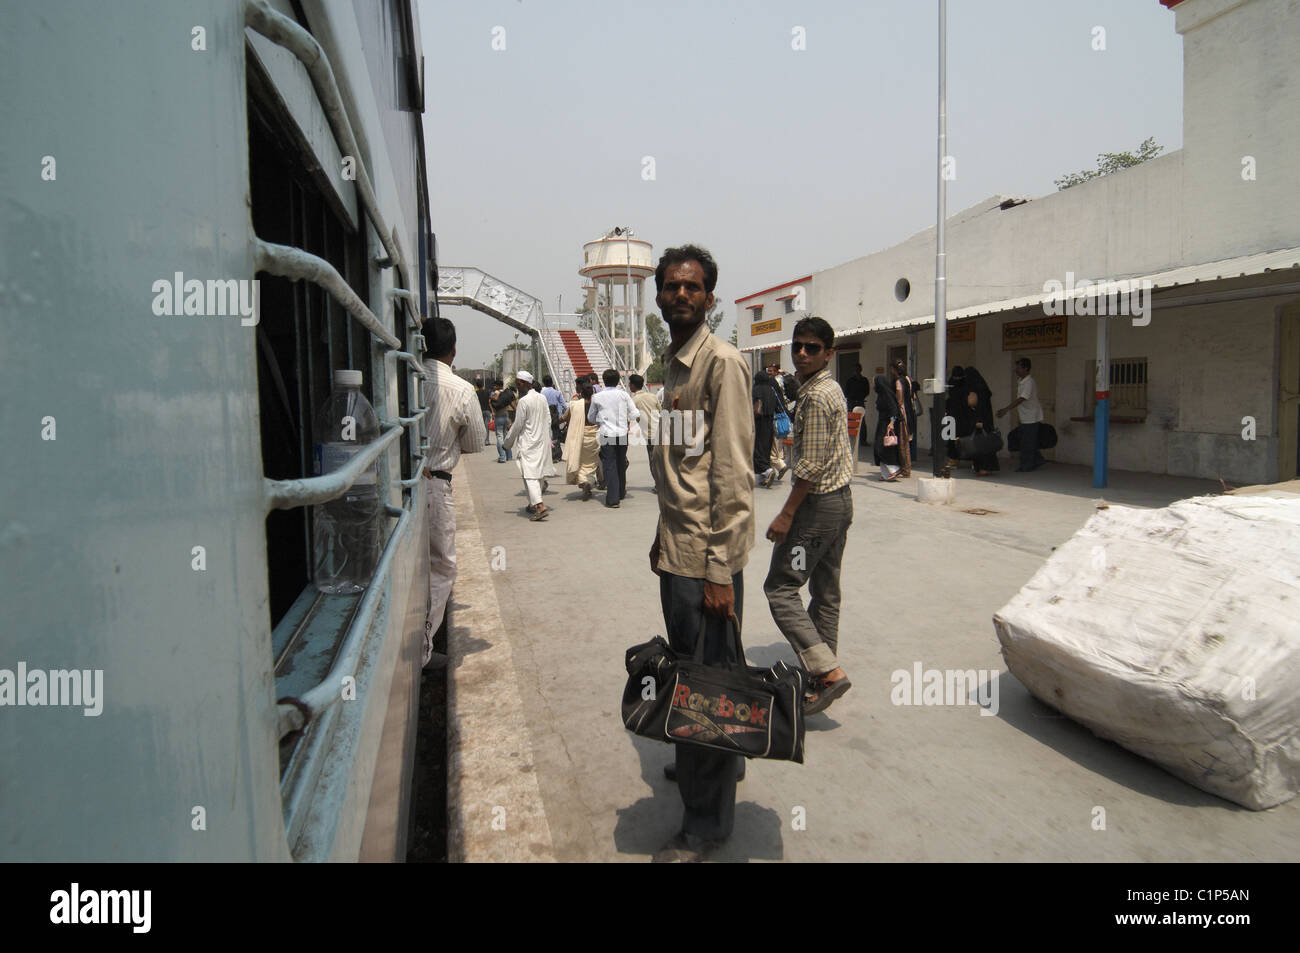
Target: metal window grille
{"x": 1128, "y": 387}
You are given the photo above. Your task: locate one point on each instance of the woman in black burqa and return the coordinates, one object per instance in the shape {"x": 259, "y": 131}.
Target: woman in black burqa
{"x": 765, "y": 398}
{"x": 887, "y": 422}
{"x": 979, "y": 398}
{"x": 963, "y": 415}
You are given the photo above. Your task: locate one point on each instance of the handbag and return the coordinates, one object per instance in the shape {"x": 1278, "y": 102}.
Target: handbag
{"x": 744, "y": 710}
{"x": 782, "y": 422}
{"x": 891, "y": 438}
{"x": 492, "y": 423}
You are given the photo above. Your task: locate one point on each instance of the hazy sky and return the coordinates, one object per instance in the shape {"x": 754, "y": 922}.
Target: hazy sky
{"x": 779, "y": 161}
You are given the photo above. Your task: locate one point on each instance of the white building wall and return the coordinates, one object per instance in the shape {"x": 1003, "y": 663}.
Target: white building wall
{"x": 1208, "y": 363}
{"x": 1241, "y": 96}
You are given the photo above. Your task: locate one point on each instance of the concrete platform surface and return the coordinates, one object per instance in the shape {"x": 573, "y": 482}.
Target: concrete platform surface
{"x": 882, "y": 781}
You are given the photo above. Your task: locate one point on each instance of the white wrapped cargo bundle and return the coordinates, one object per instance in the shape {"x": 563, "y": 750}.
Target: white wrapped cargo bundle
{"x": 1175, "y": 633}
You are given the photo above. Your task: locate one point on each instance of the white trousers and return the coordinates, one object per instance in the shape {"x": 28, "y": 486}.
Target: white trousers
{"x": 534, "y": 488}
{"x": 441, "y": 509}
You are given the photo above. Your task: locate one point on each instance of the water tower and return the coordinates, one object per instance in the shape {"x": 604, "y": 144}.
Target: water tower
{"x": 613, "y": 260}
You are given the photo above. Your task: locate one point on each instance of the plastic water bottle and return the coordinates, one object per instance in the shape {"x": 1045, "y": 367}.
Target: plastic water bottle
{"x": 346, "y": 531}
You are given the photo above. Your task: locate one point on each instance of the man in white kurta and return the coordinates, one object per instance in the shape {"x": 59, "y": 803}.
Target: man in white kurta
{"x": 530, "y": 440}
{"x": 453, "y": 425}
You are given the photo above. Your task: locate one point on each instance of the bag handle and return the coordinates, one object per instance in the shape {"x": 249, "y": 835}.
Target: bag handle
{"x": 733, "y": 629}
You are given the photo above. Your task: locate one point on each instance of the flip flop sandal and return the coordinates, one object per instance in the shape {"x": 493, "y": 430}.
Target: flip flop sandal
{"x": 540, "y": 515}
{"x": 827, "y": 693}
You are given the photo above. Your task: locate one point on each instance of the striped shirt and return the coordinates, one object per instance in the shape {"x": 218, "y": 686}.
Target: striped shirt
{"x": 821, "y": 435}
{"x": 454, "y": 423}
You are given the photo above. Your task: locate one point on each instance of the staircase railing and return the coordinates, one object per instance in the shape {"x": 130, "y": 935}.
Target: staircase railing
{"x": 607, "y": 347}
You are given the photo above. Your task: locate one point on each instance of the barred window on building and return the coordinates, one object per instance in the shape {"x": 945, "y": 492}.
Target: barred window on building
{"x": 1128, "y": 387}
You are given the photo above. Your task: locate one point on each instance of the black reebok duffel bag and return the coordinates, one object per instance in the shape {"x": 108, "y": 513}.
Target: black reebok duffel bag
{"x": 744, "y": 710}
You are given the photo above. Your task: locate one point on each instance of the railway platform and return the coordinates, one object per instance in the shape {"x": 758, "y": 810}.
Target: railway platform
{"x": 542, "y": 768}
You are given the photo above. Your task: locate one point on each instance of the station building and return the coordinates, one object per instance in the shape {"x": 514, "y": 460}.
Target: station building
{"x": 1206, "y": 382}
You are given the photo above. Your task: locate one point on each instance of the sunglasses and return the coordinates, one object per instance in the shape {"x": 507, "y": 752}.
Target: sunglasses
{"x": 812, "y": 349}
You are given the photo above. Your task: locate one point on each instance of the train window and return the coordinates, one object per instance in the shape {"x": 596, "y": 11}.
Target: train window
{"x": 303, "y": 336}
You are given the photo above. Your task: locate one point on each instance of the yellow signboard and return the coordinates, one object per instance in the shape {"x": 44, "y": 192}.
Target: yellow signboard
{"x": 1038, "y": 333}
{"x": 957, "y": 333}
{"x": 765, "y": 327}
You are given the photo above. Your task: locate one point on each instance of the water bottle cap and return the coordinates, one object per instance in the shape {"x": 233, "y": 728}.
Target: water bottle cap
{"x": 347, "y": 378}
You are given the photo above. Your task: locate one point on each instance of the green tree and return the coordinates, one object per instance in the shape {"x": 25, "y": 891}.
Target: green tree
{"x": 732, "y": 340}
{"x": 714, "y": 318}
{"x": 1108, "y": 162}
{"x": 656, "y": 333}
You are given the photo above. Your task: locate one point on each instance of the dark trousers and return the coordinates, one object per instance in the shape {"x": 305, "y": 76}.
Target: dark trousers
{"x": 705, "y": 778}
{"x": 763, "y": 433}
{"x": 1030, "y": 458}
{"x": 613, "y": 462}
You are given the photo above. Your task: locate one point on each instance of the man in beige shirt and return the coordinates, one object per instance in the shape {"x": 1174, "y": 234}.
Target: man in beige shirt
{"x": 702, "y": 466}
{"x": 648, "y": 404}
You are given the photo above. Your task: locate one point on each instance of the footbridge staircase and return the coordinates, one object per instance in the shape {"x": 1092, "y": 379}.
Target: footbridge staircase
{"x": 567, "y": 352}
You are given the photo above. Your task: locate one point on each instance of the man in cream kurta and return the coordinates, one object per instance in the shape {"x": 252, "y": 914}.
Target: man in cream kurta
{"x": 530, "y": 440}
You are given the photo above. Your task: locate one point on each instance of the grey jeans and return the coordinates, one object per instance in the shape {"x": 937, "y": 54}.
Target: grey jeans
{"x": 811, "y": 554}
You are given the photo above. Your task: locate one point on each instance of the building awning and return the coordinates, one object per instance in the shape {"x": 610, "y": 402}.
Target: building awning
{"x": 1244, "y": 267}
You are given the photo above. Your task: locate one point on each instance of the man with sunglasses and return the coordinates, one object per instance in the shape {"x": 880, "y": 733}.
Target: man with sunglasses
{"x": 811, "y": 529}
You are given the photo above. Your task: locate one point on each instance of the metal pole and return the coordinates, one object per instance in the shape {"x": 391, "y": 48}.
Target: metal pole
{"x": 627, "y": 299}
{"x": 940, "y": 256}
{"x": 1101, "y": 444}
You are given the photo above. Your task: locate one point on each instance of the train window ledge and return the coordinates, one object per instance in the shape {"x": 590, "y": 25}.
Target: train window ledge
{"x": 307, "y": 642}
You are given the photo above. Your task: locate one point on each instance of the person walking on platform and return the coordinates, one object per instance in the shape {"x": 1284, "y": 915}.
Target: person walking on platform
{"x": 648, "y": 404}
{"x": 764, "y": 419}
{"x": 455, "y": 426}
{"x": 812, "y": 527}
{"x": 979, "y": 402}
{"x": 503, "y": 407}
{"x": 555, "y": 401}
{"x": 613, "y": 411}
{"x": 906, "y": 418}
{"x": 885, "y": 449}
{"x": 530, "y": 433}
{"x": 783, "y": 406}
{"x": 582, "y": 446}
{"x": 706, "y": 524}
{"x": 481, "y": 392}
{"x": 1031, "y": 417}
{"x": 911, "y": 404}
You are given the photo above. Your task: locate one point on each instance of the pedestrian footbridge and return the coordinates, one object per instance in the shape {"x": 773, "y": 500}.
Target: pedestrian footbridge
{"x": 569, "y": 353}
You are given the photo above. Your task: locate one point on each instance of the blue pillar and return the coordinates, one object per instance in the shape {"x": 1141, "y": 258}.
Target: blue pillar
{"x": 1101, "y": 449}
{"x": 1101, "y": 418}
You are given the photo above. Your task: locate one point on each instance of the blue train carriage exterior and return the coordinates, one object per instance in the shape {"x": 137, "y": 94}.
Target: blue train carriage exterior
{"x": 172, "y": 687}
